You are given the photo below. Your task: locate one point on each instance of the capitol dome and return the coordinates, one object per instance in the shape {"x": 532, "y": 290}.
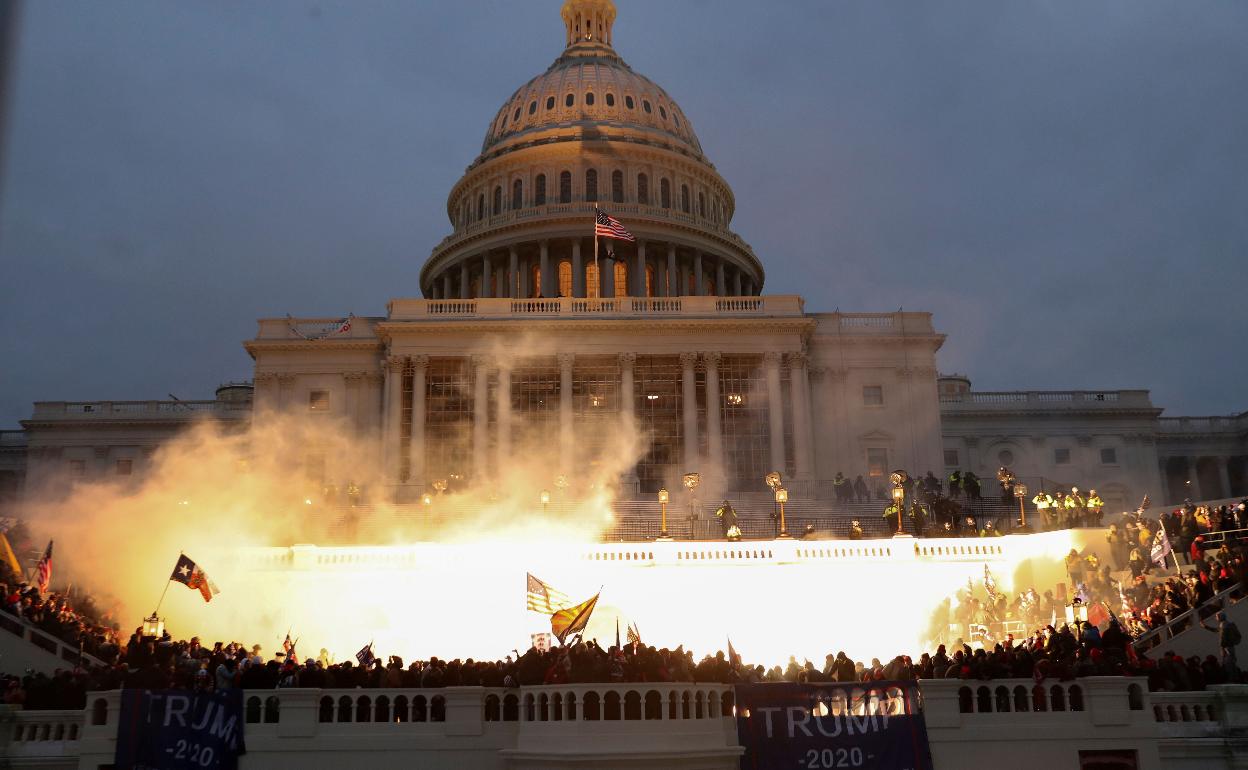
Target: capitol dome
{"x": 588, "y": 133}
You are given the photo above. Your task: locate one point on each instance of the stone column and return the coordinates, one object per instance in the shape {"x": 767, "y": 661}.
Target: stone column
{"x": 698, "y": 288}
{"x": 606, "y": 277}
{"x": 775, "y": 409}
{"x": 673, "y": 277}
{"x": 394, "y": 416}
{"x": 464, "y": 282}
{"x": 513, "y": 272}
{"x": 638, "y": 289}
{"x": 353, "y": 382}
{"x": 446, "y": 285}
{"x": 565, "y": 411}
{"x": 627, "y": 399}
{"x": 487, "y": 275}
{"x": 689, "y": 410}
{"x": 736, "y": 284}
{"x": 714, "y": 434}
{"x": 1224, "y": 472}
{"x": 504, "y": 417}
{"x": 416, "y": 444}
{"x": 480, "y": 416}
{"x": 578, "y": 270}
{"x": 543, "y": 265}
{"x": 800, "y": 394}
{"x": 721, "y": 283}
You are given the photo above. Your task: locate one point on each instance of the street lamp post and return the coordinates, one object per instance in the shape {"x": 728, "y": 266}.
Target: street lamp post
{"x": 664, "y": 497}
{"x": 773, "y": 483}
{"x": 691, "y": 481}
{"x": 1020, "y": 492}
{"x": 782, "y": 497}
{"x": 898, "y": 479}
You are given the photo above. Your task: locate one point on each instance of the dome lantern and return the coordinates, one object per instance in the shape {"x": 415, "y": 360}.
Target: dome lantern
{"x": 588, "y": 21}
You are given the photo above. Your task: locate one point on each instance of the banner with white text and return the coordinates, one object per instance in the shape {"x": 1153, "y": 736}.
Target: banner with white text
{"x": 180, "y": 730}
{"x": 869, "y": 725}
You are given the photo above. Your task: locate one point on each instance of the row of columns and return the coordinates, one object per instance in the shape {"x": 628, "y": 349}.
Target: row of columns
{"x": 671, "y": 275}
{"x": 803, "y": 440}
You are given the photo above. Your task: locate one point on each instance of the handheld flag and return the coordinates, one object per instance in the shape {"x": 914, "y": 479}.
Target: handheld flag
{"x": 990, "y": 585}
{"x": 43, "y": 570}
{"x": 734, "y": 658}
{"x": 1161, "y": 548}
{"x": 608, "y": 226}
{"x": 289, "y": 648}
{"x": 189, "y": 574}
{"x": 10, "y": 558}
{"x": 573, "y": 619}
{"x": 365, "y": 656}
{"x": 542, "y": 598}
{"x": 634, "y": 636}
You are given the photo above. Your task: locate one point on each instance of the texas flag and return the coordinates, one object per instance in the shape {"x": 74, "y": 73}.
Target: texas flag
{"x": 188, "y": 573}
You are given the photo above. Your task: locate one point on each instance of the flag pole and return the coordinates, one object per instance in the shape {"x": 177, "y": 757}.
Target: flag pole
{"x": 595, "y": 245}
{"x": 168, "y": 580}
{"x": 1173, "y": 555}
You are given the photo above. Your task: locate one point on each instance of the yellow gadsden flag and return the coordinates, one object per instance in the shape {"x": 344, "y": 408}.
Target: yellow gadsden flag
{"x": 6, "y": 552}
{"x": 572, "y": 619}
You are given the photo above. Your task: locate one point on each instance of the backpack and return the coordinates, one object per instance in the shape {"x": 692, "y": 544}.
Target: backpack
{"x": 1231, "y": 635}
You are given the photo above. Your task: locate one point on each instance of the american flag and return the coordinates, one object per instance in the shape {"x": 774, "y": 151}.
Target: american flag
{"x": 365, "y": 656}
{"x": 634, "y": 636}
{"x": 43, "y": 570}
{"x": 542, "y": 598}
{"x": 609, "y": 227}
{"x": 289, "y": 647}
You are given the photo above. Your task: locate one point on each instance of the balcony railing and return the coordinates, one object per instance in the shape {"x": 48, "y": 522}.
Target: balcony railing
{"x": 1049, "y": 399}
{"x": 146, "y": 409}
{"x": 594, "y": 307}
{"x": 1218, "y": 424}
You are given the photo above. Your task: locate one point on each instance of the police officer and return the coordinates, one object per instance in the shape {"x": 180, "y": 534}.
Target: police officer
{"x": 1044, "y": 506}
{"x": 1095, "y": 508}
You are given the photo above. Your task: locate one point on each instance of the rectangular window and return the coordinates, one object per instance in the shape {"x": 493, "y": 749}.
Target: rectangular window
{"x": 1061, "y": 456}
{"x": 873, "y": 395}
{"x": 1109, "y": 456}
{"x": 124, "y": 466}
{"x": 877, "y": 462}
{"x": 77, "y": 468}
{"x": 318, "y": 401}
{"x": 951, "y": 458}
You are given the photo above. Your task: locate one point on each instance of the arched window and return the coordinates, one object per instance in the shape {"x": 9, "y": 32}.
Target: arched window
{"x": 645, "y": 105}
{"x": 532, "y": 106}
{"x": 517, "y": 194}
{"x": 565, "y": 278}
{"x": 592, "y": 280}
{"x": 621, "y": 279}
{"x": 610, "y": 99}
{"x": 702, "y": 205}
{"x": 684, "y": 198}
{"x": 539, "y": 190}
{"x": 481, "y": 206}
{"x": 628, "y": 101}
{"x": 591, "y": 184}
{"x": 662, "y": 112}
{"x": 649, "y": 280}
{"x": 516, "y": 117}
{"x": 565, "y": 187}
{"x": 589, "y": 98}
{"x": 569, "y": 100}
{"x": 665, "y": 193}
{"x": 535, "y": 281}
{"x": 498, "y": 200}
{"x": 617, "y": 186}
{"x": 550, "y": 102}
{"x": 643, "y": 189}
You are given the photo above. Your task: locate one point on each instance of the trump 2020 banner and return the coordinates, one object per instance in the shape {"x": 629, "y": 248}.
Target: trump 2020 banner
{"x": 873, "y": 725}
{"x": 180, "y": 730}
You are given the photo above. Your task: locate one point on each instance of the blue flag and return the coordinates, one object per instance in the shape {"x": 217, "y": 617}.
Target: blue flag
{"x": 180, "y": 730}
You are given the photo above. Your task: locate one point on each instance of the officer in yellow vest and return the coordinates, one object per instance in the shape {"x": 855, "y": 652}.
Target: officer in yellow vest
{"x": 1095, "y": 508}
{"x": 890, "y": 516}
{"x": 1044, "y": 506}
{"x": 1076, "y": 507}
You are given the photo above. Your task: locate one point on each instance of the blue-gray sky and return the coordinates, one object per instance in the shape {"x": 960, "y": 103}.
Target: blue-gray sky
{"x": 1064, "y": 184}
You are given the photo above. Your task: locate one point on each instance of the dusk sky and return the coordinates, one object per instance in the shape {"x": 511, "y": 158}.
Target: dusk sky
{"x": 1064, "y": 185}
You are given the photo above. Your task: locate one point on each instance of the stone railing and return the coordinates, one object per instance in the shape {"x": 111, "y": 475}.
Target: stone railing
{"x": 1201, "y": 425}
{"x": 1048, "y": 399}
{"x": 1187, "y": 713}
{"x": 164, "y": 410}
{"x": 66, "y": 654}
{"x": 595, "y": 307}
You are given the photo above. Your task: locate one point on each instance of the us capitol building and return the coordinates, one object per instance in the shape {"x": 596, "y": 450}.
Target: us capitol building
{"x": 523, "y": 336}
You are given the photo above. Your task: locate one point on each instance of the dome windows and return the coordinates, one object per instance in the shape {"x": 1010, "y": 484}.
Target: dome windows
{"x": 517, "y": 194}
{"x": 498, "y": 200}
{"x": 591, "y": 185}
{"x": 610, "y": 99}
{"x": 643, "y": 189}
{"x": 569, "y": 100}
{"x": 617, "y": 186}
{"x": 532, "y": 106}
{"x": 665, "y": 193}
{"x": 645, "y": 105}
{"x": 550, "y": 102}
{"x": 662, "y": 112}
{"x": 481, "y": 206}
{"x": 628, "y": 102}
{"x": 684, "y": 198}
{"x": 565, "y": 187}
{"x": 702, "y": 205}
{"x": 589, "y": 99}
{"x": 516, "y": 117}
{"x": 539, "y": 190}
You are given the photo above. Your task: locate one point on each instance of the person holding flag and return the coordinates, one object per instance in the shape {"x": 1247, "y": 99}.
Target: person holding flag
{"x": 1161, "y": 549}
{"x": 289, "y": 648}
{"x": 43, "y": 570}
